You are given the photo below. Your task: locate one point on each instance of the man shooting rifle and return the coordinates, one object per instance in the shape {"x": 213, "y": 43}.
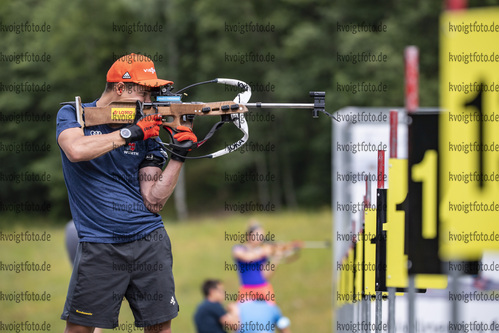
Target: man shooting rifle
{"x": 116, "y": 188}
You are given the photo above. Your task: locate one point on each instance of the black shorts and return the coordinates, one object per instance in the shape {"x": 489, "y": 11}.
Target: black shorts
{"x": 103, "y": 274}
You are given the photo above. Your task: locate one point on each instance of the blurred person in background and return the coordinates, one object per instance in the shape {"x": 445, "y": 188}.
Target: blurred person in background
{"x": 210, "y": 316}
{"x": 71, "y": 238}
{"x": 261, "y": 316}
{"x": 256, "y": 260}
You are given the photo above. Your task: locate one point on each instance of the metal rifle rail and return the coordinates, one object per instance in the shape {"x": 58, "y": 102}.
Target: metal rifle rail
{"x": 319, "y": 104}
{"x": 280, "y": 105}
{"x": 308, "y": 106}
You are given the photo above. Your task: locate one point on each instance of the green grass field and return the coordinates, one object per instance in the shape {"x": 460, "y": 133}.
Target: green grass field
{"x": 303, "y": 287}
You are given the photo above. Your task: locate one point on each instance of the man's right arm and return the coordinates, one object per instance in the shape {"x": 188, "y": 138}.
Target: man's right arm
{"x": 79, "y": 147}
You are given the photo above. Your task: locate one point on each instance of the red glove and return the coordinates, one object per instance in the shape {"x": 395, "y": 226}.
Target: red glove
{"x": 144, "y": 129}
{"x": 150, "y": 125}
{"x": 185, "y": 133}
{"x": 181, "y": 147}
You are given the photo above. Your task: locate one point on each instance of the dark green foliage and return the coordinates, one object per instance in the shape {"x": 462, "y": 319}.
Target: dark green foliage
{"x": 194, "y": 45}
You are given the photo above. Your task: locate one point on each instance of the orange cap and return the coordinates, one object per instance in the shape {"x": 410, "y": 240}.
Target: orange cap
{"x": 135, "y": 68}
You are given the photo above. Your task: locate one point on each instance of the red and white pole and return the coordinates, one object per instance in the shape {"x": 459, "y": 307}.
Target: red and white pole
{"x": 456, "y": 4}
{"x": 393, "y": 133}
{"x": 411, "y": 56}
{"x": 381, "y": 169}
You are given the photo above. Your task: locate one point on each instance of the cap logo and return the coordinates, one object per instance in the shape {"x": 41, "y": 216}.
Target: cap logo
{"x": 152, "y": 70}
{"x": 126, "y": 76}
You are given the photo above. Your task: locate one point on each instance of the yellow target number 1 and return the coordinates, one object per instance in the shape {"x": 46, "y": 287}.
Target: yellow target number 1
{"x": 469, "y": 133}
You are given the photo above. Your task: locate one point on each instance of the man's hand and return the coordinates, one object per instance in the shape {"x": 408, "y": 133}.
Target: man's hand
{"x": 150, "y": 125}
{"x": 144, "y": 129}
{"x": 183, "y": 140}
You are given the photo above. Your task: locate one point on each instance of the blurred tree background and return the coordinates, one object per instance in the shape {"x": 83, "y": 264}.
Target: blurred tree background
{"x": 198, "y": 42}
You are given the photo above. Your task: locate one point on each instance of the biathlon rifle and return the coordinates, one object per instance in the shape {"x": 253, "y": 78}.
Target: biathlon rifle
{"x": 290, "y": 251}
{"x": 175, "y": 113}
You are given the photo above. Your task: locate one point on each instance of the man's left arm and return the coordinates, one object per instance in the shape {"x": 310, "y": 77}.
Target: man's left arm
{"x": 157, "y": 186}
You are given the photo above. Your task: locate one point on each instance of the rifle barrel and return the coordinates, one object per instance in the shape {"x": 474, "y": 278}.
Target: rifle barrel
{"x": 317, "y": 244}
{"x": 280, "y": 105}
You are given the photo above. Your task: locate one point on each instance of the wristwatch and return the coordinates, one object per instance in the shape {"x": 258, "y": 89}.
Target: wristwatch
{"x": 126, "y": 134}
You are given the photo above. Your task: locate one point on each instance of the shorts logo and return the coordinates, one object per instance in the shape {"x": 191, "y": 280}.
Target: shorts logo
{"x": 172, "y": 301}
{"x": 85, "y": 313}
